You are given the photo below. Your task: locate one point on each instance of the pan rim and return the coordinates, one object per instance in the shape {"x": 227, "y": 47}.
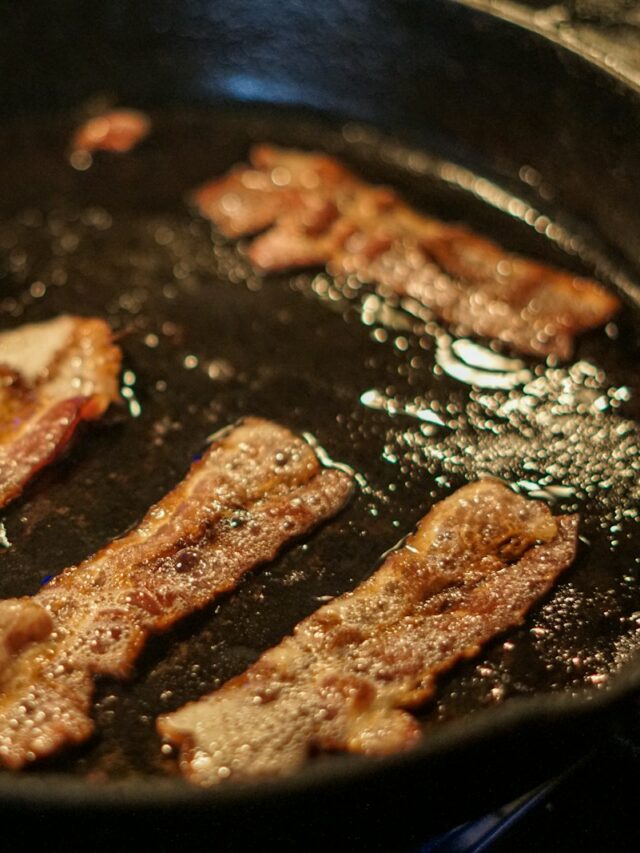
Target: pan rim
{"x": 509, "y": 13}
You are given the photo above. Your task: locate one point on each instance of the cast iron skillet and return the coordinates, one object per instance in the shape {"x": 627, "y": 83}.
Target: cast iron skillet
{"x": 476, "y": 120}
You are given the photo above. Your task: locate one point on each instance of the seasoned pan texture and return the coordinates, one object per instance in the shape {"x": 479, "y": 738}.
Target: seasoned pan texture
{"x": 415, "y": 411}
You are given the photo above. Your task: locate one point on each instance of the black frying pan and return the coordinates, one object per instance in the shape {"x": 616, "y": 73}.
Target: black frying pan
{"x": 454, "y": 94}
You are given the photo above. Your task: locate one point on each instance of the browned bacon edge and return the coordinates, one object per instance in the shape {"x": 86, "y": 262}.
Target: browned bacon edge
{"x": 344, "y": 679}
{"x": 53, "y": 375}
{"x": 319, "y": 213}
{"x": 257, "y": 487}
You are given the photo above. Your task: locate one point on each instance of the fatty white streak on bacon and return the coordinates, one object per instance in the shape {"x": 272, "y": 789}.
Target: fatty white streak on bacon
{"x": 53, "y": 375}
{"x": 256, "y": 488}
{"x": 343, "y": 681}
{"x": 316, "y": 212}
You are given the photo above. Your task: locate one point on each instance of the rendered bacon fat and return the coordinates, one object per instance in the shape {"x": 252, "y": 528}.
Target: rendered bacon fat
{"x": 475, "y": 565}
{"x": 256, "y": 488}
{"x": 317, "y": 213}
{"x": 52, "y": 376}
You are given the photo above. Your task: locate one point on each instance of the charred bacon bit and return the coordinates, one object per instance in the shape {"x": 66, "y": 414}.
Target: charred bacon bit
{"x": 343, "y": 681}
{"x": 318, "y": 213}
{"x": 53, "y": 375}
{"x": 118, "y": 130}
{"x": 256, "y": 488}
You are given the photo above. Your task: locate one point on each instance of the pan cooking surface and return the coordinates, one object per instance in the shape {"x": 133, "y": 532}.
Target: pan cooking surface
{"x": 415, "y": 411}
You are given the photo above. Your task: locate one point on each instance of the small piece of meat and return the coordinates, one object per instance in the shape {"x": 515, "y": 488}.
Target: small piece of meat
{"x": 318, "y": 213}
{"x": 53, "y": 375}
{"x": 343, "y": 681}
{"x": 118, "y": 130}
{"x": 256, "y": 488}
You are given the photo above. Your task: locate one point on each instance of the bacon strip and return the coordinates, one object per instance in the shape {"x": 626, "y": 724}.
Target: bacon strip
{"x": 477, "y": 562}
{"x": 53, "y": 375}
{"x": 118, "y": 130}
{"x": 318, "y": 213}
{"x": 256, "y": 488}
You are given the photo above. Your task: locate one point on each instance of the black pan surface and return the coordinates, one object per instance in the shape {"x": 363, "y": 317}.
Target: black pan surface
{"x": 414, "y": 410}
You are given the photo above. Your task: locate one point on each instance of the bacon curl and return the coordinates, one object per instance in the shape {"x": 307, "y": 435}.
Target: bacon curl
{"x": 53, "y": 375}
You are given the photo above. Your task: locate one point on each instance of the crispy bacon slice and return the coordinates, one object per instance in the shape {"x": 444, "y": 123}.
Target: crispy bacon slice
{"x": 256, "y": 488}
{"x": 118, "y": 130}
{"x": 318, "y": 213}
{"x": 342, "y": 681}
{"x": 52, "y": 376}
